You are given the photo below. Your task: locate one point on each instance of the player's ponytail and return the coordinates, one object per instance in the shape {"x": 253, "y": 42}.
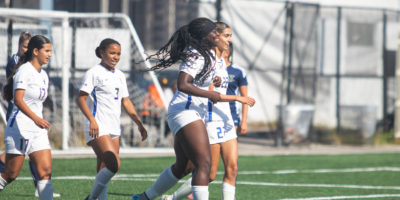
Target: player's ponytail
{"x": 35, "y": 42}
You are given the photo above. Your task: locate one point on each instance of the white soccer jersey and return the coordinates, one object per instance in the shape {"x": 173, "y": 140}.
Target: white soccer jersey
{"x": 181, "y": 100}
{"x": 35, "y": 83}
{"x": 219, "y": 122}
{"x": 106, "y": 89}
{"x": 195, "y": 107}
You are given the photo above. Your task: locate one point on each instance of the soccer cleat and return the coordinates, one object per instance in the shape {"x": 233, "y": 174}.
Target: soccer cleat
{"x": 190, "y": 196}
{"x": 135, "y": 197}
{"x": 167, "y": 197}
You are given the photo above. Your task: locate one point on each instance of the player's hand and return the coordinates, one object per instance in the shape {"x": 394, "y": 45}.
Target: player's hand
{"x": 42, "y": 123}
{"x": 214, "y": 96}
{"x": 217, "y": 81}
{"x": 94, "y": 129}
{"x": 247, "y": 100}
{"x": 143, "y": 132}
{"x": 243, "y": 128}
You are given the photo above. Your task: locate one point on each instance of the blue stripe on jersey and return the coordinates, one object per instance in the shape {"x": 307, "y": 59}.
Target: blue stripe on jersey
{"x": 210, "y": 105}
{"x": 94, "y": 102}
{"x": 13, "y": 118}
{"x": 189, "y": 101}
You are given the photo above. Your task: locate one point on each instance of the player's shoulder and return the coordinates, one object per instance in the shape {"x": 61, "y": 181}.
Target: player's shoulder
{"x": 238, "y": 68}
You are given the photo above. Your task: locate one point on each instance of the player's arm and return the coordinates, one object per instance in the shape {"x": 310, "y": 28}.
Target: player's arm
{"x": 130, "y": 109}
{"x": 185, "y": 84}
{"x": 20, "y": 103}
{"x": 242, "y": 99}
{"x": 94, "y": 128}
{"x": 243, "y": 123}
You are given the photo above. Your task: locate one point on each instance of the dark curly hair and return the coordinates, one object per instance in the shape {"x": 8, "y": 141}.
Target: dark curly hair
{"x": 177, "y": 48}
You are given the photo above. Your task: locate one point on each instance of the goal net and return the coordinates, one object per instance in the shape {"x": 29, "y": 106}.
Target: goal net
{"x": 74, "y": 37}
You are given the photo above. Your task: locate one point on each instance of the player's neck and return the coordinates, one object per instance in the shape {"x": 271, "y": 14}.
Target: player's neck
{"x": 107, "y": 67}
{"x": 35, "y": 63}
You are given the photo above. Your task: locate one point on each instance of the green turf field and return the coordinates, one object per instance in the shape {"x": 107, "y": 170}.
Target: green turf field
{"x": 371, "y": 176}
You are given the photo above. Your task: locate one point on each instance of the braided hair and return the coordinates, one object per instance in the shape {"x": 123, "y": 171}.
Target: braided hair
{"x": 178, "y": 47}
{"x": 36, "y": 42}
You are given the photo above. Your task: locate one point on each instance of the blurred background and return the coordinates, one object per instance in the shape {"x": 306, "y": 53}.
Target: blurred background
{"x": 321, "y": 71}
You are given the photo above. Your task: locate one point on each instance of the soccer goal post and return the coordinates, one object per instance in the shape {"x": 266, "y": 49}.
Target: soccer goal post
{"x": 74, "y": 37}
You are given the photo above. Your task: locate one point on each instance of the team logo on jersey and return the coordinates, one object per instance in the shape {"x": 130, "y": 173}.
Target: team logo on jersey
{"x": 231, "y": 77}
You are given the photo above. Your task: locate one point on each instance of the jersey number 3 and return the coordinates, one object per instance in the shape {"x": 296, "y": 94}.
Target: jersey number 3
{"x": 116, "y": 93}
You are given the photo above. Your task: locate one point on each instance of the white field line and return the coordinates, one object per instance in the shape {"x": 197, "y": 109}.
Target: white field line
{"x": 349, "y": 197}
{"x": 116, "y": 178}
{"x": 348, "y": 170}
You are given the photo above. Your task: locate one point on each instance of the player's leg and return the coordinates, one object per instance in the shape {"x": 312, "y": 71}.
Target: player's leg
{"x": 104, "y": 149}
{"x": 101, "y": 165}
{"x": 42, "y": 161}
{"x": 194, "y": 142}
{"x": 215, "y": 155}
{"x": 229, "y": 152}
{"x": 171, "y": 175}
{"x": 13, "y": 167}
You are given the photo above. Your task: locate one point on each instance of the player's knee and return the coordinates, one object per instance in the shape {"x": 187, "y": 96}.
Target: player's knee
{"x": 44, "y": 173}
{"x": 112, "y": 161}
{"x": 231, "y": 171}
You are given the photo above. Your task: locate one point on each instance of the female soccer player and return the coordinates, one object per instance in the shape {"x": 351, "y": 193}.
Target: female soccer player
{"x": 107, "y": 91}
{"x": 220, "y": 128}
{"x": 26, "y": 129}
{"x": 193, "y": 44}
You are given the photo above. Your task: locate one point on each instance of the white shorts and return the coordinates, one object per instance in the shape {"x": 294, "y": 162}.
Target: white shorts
{"x": 90, "y": 138}
{"x": 177, "y": 120}
{"x": 25, "y": 142}
{"x": 220, "y": 131}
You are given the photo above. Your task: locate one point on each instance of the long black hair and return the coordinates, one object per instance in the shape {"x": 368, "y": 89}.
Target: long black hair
{"x": 36, "y": 42}
{"x": 177, "y": 48}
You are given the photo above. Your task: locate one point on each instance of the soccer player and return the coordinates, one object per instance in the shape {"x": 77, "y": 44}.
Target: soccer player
{"x": 193, "y": 44}
{"x": 220, "y": 128}
{"x": 103, "y": 92}
{"x": 26, "y": 130}
{"x": 23, "y": 41}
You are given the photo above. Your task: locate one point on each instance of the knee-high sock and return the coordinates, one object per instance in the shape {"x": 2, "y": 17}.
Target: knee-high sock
{"x": 103, "y": 194}
{"x": 184, "y": 190}
{"x": 102, "y": 178}
{"x": 3, "y": 183}
{"x": 2, "y": 166}
{"x": 34, "y": 173}
{"x": 164, "y": 182}
{"x": 228, "y": 191}
{"x": 200, "y": 192}
{"x": 45, "y": 189}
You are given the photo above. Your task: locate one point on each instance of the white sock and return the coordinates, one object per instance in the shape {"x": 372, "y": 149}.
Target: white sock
{"x": 3, "y": 183}
{"x": 45, "y": 189}
{"x": 100, "y": 182}
{"x": 200, "y": 192}
{"x": 184, "y": 190}
{"x": 228, "y": 191}
{"x": 103, "y": 194}
{"x": 164, "y": 182}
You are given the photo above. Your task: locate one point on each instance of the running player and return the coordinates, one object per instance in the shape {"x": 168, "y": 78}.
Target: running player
{"x": 220, "y": 129}
{"x": 26, "y": 131}
{"x": 107, "y": 91}
{"x": 194, "y": 44}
